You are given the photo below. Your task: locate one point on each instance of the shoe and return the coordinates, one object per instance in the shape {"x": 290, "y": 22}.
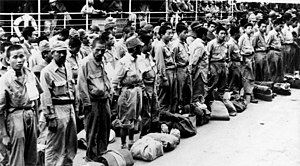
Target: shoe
{"x": 254, "y": 101}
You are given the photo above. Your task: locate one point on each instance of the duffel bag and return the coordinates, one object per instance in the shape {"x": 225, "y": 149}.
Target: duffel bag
{"x": 168, "y": 141}
{"x": 201, "y": 112}
{"x": 117, "y": 158}
{"x": 185, "y": 126}
{"x": 269, "y": 84}
{"x": 219, "y": 111}
{"x": 147, "y": 149}
{"x": 282, "y": 89}
{"x": 263, "y": 93}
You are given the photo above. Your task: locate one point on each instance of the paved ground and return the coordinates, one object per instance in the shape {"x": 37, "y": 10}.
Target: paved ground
{"x": 266, "y": 134}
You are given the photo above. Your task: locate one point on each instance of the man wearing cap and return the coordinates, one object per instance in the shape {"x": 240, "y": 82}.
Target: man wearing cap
{"x": 127, "y": 84}
{"x": 217, "y": 50}
{"x": 111, "y": 25}
{"x": 192, "y": 34}
{"x": 45, "y": 50}
{"x": 274, "y": 55}
{"x": 19, "y": 92}
{"x": 3, "y": 62}
{"x": 57, "y": 103}
{"x": 95, "y": 91}
{"x": 260, "y": 48}
{"x": 120, "y": 46}
{"x": 199, "y": 65}
{"x": 166, "y": 66}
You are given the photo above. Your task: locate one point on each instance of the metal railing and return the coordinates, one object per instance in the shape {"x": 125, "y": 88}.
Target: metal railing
{"x": 78, "y": 21}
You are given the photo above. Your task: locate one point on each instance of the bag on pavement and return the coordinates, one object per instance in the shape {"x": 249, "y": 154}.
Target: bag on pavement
{"x": 120, "y": 157}
{"x": 185, "y": 126}
{"x": 168, "y": 141}
{"x": 147, "y": 149}
{"x": 219, "y": 111}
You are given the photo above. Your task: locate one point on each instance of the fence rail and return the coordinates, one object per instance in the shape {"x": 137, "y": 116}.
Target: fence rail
{"x": 46, "y": 21}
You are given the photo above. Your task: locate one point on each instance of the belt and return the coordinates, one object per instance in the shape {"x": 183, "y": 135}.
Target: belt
{"x": 62, "y": 102}
{"x": 275, "y": 49}
{"x": 287, "y": 43}
{"x": 221, "y": 61}
{"x": 261, "y": 51}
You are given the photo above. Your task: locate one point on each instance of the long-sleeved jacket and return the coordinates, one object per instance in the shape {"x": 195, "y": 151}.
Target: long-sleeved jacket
{"x": 58, "y": 84}
{"x": 163, "y": 57}
{"x": 93, "y": 83}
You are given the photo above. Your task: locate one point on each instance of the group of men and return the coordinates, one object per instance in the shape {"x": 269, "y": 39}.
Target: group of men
{"x": 73, "y": 76}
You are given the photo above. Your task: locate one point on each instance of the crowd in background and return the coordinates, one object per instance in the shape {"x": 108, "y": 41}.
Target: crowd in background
{"x": 55, "y": 86}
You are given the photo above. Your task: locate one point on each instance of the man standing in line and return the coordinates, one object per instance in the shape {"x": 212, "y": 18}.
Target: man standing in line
{"x": 19, "y": 92}
{"x": 218, "y": 55}
{"x": 58, "y": 101}
{"x": 260, "y": 47}
{"x": 247, "y": 52}
{"x": 166, "y": 66}
{"x": 95, "y": 91}
{"x": 274, "y": 55}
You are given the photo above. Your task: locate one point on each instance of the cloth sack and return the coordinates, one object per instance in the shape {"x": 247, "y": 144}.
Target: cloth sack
{"x": 185, "y": 126}
{"x": 117, "y": 158}
{"x": 239, "y": 103}
{"x": 219, "y": 111}
{"x": 168, "y": 141}
{"x": 263, "y": 93}
{"x": 147, "y": 149}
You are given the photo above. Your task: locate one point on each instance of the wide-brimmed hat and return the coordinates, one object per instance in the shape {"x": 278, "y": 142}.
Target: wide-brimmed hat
{"x": 133, "y": 42}
{"x": 58, "y": 46}
{"x": 44, "y": 46}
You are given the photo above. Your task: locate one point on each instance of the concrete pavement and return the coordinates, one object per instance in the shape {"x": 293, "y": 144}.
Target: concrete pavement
{"x": 265, "y": 134}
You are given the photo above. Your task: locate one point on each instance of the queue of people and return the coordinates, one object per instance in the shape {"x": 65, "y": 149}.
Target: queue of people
{"x": 78, "y": 78}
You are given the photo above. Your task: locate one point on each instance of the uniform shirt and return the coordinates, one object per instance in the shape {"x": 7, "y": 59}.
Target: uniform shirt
{"x": 198, "y": 56}
{"x": 111, "y": 57}
{"x": 245, "y": 45}
{"x": 38, "y": 68}
{"x": 234, "y": 50}
{"x": 163, "y": 58}
{"x": 149, "y": 67}
{"x": 3, "y": 69}
{"x": 93, "y": 82}
{"x": 191, "y": 37}
{"x": 75, "y": 61}
{"x": 217, "y": 51}
{"x": 287, "y": 34}
{"x": 128, "y": 73}
{"x": 273, "y": 40}
{"x": 180, "y": 52}
{"x": 57, "y": 83}
{"x": 120, "y": 48}
{"x": 35, "y": 58}
{"x": 17, "y": 95}
{"x": 258, "y": 42}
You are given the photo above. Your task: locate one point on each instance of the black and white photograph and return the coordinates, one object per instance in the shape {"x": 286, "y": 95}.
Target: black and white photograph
{"x": 149, "y": 82}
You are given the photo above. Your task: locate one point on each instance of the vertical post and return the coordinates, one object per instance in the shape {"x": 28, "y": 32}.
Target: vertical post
{"x": 64, "y": 20}
{"x": 196, "y": 10}
{"x": 129, "y": 6}
{"x": 167, "y": 10}
{"x": 39, "y": 17}
{"x": 11, "y": 24}
{"x": 86, "y": 18}
{"x": 232, "y": 7}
